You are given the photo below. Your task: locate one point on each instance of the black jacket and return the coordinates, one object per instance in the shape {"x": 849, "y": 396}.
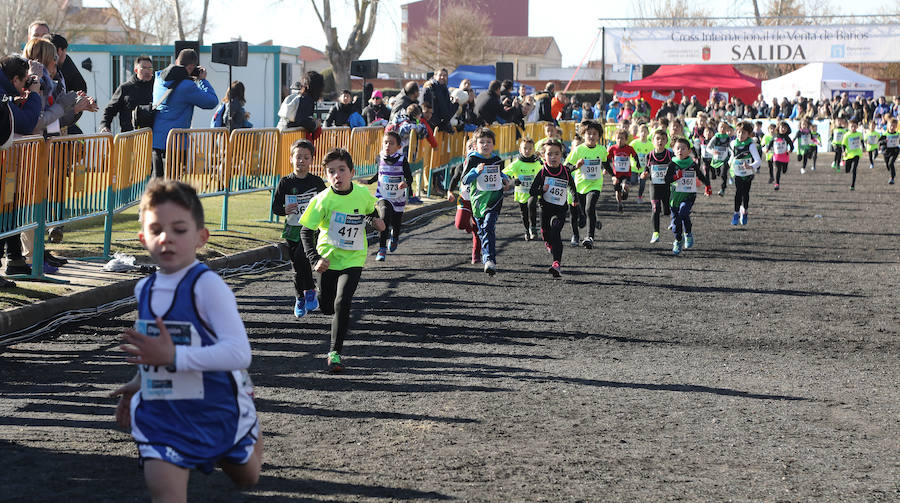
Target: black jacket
{"x": 488, "y": 108}
{"x": 127, "y": 97}
{"x": 339, "y": 115}
{"x": 543, "y": 106}
{"x": 443, "y": 109}
{"x": 374, "y": 112}
{"x": 403, "y": 101}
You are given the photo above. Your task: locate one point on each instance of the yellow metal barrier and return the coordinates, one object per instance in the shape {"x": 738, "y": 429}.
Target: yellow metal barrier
{"x": 197, "y": 157}
{"x": 535, "y": 130}
{"x": 252, "y": 160}
{"x": 568, "y": 130}
{"x": 364, "y": 146}
{"x": 79, "y": 176}
{"x": 609, "y": 130}
{"x": 23, "y": 185}
{"x": 288, "y": 137}
{"x": 133, "y": 167}
{"x": 330, "y": 138}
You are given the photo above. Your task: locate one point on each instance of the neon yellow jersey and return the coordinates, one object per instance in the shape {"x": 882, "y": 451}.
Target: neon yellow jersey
{"x": 585, "y": 184}
{"x": 765, "y": 141}
{"x": 340, "y": 220}
{"x": 523, "y": 172}
{"x": 642, "y": 148}
{"x": 872, "y": 139}
{"x": 853, "y": 145}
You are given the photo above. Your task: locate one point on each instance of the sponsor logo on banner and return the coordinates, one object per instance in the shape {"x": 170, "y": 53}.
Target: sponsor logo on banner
{"x": 625, "y": 95}
{"x": 663, "y": 97}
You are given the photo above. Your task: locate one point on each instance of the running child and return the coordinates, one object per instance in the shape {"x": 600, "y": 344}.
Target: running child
{"x": 523, "y": 170}
{"x": 292, "y": 196}
{"x": 486, "y": 184}
{"x": 588, "y": 161}
{"x": 339, "y": 253}
{"x": 817, "y": 139}
{"x": 656, "y": 169}
{"x": 464, "y": 219}
{"x": 718, "y": 147}
{"x": 621, "y": 154}
{"x": 575, "y": 201}
{"x": 706, "y": 155}
{"x": 190, "y": 406}
{"x": 697, "y": 134}
{"x": 891, "y": 140}
{"x": 873, "y": 139}
{"x": 683, "y": 173}
{"x": 745, "y": 163}
{"x": 805, "y": 144}
{"x": 758, "y": 132}
{"x": 550, "y": 132}
{"x": 551, "y": 183}
{"x": 770, "y": 133}
{"x": 781, "y": 147}
{"x": 852, "y": 146}
{"x": 837, "y": 141}
{"x": 393, "y": 176}
{"x": 643, "y": 146}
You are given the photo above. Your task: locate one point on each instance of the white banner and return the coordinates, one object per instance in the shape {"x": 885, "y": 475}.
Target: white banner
{"x": 763, "y": 44}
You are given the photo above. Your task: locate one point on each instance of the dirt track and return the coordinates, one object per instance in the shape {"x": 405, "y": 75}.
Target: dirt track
{"x": 762, "y": 365}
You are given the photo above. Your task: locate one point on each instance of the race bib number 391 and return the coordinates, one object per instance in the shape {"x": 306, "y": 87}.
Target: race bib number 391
{"x": 591, "y": 169}
{"x": 163, "y": 383}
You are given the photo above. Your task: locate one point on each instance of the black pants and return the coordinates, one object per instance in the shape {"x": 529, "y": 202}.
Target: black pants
{"x": 159, "y": 163}
{"x": 591, "y": 199}
{"x": 659, "y": 206}
{"x": 838, "y": 151}
{"x": 12, "y": 246}
{"x": 578, "y": 215}
{"x": 872, "y": 155}
{"x": 742, "y": 192}
{"x": 338, "y": 288}
{"x": 303, "y": 276}
{"x": 771, "y": 171}
{"x": 392, "y": 221}
{"x": 807, "y": 155}
{"x": 529, "y": 213}
{"x": 850, "y": 166}
{"x": 780, "y": 167}
{"x": 890, "y": 158}
{"x": 553, "y": 219}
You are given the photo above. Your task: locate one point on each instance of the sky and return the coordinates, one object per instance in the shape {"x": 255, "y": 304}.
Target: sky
{"x": 573, "y": 23}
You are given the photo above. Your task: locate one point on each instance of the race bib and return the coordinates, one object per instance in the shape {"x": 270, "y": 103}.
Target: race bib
{"x": 591, "y": 169}
{"x": 893, "y": 141}
{"x": 804, "y": 139}
{"x": 390, "y": 188}
{"x": 854, "y": 143}
{"x": 687, "y": 183}
{"x": 697, "y": 144}
{"x": 742, "y": 167}
{"x": 872, "y": 139}
{"x": 489, "y": 178}
{"x": 524, "y": 184}
{"x": 556, "y": 191}
{"x": 704, "y": 152}
{"x": 163, "y": 383}
{"x": 347, "y": 232}
{"x": 780, "y": 147}
{"x": 464, "y": 193}
{"x": 620, "y": 164}
{"x": 720, "y": 152}
{"x": 658, "y": 173}
{"x": 302, "y": 201}
{"x": 839, "y": 136}
{"x": 642, "y": 160}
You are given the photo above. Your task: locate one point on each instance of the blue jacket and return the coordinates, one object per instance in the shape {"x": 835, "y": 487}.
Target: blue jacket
{"x": 178, "y": 109}
{"x": 27, "y": 116}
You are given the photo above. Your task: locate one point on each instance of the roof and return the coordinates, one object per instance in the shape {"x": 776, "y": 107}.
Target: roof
{"x": 88, "y": 16}
{"x": 525, "y": 46}
{"x": 692, "y": 76}
{"x": 308, "y": 53}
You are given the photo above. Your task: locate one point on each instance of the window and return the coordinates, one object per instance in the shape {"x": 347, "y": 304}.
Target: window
{"x": 123, "y": 66}
{"x": 531, "y": 71}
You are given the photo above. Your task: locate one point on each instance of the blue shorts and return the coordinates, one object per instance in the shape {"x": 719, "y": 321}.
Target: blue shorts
{"x": 239, "y": 454}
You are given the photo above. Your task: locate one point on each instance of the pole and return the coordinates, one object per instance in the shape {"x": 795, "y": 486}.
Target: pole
{"x": 603, "y": 71}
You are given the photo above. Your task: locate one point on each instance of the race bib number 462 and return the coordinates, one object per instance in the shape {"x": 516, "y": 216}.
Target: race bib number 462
{"x": 164, "y": 383}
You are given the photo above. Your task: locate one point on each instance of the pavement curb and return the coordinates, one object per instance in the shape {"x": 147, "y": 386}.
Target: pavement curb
{"x": 23, "y": 317}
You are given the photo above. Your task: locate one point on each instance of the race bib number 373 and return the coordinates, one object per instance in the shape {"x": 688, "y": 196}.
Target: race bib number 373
{"x": 164, "y": 383}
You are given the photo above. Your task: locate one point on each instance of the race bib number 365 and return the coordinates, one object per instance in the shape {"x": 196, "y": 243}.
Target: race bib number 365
{"x": 489, "y": 178}
{"x": 347, "y": 232}
{"x": 163, "y": 383}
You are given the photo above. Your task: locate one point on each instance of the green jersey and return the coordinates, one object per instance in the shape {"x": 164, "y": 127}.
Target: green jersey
{"x": 341, "y": 222}
{"x": 765, "y": 141}
{"x": 642, "y": 148}
{"x": 853, "y": 145}
{"x": 872, "y": 139}
{"x": 837, "y": 136}
{"x": 891, "y": 140}
{"x": 718, "y": 147}
{"x": 590, "y": 176}
{"x": 523, "y": 170}
{"x": 685, "y": 188}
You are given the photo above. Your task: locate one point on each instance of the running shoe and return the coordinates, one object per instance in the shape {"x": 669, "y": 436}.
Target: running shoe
{"x": 891, "y": 182}
{"x": 392, "y": 244}
{"x": 312, "y": 300}
{"x": 776, "y": 186}
{"x": 621, "y": 208}
{"x": 49, "y": 269}
{"x": 5, "y": 283}
{"x": 587, "y": 242}
{"x": 554, "y": 269}
{"x": 299, "y": 308}
{"x": 380, "y": 256}
{"x": 834, "y": 165}
{"x": 771, "y": 180}
{"x": 490, "y": 268}
{"x": 871, "y": 166}
{"x": 334, "y": 362}
{"x": 414, "y": 200}
{"x": 654, "y": 238}
{"x": 852, "y": 188}
{"x": 802, "y": 171}
{"x": 533, "y": 232}
{"x": 54, "y": 260}
{"x": 744, "y": 218}
{"x": 640, "y": 199}
{"x": 736, "y": 218}
{"x": 527, "y": 236}
{"x": 582, "y": 220}
{"x": 721, "y": 192}
{"x": 688, "y": 240}
{"x": 574, "y": 241}
{"x": 676, "y": 247}
{"x": 547, "y": 245}
{"x": 671, "y": 227}
{"x": 18, "y": 270}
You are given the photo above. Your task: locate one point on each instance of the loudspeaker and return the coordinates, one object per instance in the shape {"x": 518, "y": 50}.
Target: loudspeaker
{"x": 232, "y": 53}
{"x": 647, "y": 70}
{"x": 504, "y": 70}
{"x": 187, "y": 44}
{"x": 365, "y": 68}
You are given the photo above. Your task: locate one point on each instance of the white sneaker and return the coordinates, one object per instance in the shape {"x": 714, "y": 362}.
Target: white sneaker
{"x": 490, "y": 268}
{"x": 802, "y": 171}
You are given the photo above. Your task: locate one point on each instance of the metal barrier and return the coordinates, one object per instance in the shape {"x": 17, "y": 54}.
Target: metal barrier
{"x": 609, "y": 131}
{"x": 79, "y": 176}
{"x": 288, "y": 137}
{"x": 251, "y": 165}
{"x": 330, "y": 138}
{"x": 197, "y": 157}
{"x": 364, "y": 146}
{"x": 568, "y": 130}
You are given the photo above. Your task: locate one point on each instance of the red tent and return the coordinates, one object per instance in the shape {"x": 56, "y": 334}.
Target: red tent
{"x": 675, "y": 81}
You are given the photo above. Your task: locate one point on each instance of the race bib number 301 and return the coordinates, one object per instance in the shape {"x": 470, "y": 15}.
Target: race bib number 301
{"x": 163, "y": 383}
{"x": 347, "y": 232}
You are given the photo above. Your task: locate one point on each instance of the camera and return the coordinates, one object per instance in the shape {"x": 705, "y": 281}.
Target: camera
{"x": 31, "y": 80}
{"x": 196, "y": 72}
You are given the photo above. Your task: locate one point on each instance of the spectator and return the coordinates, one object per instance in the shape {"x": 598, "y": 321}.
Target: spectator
{"x": 406, "y": 98}
{"x": 74, "y": 82}
{"x": 138, "y": 90}
{"x": 692, "y": 108}
{"x": 438, "y": 96}
{"x": 612, "y": 113}
{"x": 557, "y": 104}
{"x": 376, "y": 110}
{"x": 488, "y": 108}
{"x": 178, "y": 88}
{"x": 59, "y": 107}
{"x": 298, "y": 108}
{"x": 230, "y": 113}
{"x": 543, "y": 104}
{"x": 18, "y": 83}
{"x": 682, "y": 106}
{"x": 340, "y": 112}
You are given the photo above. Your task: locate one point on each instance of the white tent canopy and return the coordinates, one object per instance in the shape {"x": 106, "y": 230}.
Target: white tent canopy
{"x": 820, "y": 81}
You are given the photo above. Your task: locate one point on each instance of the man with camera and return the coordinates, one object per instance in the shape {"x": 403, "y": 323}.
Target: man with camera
{"x": 177, "y": 89}
{"x": 138, "y": 90}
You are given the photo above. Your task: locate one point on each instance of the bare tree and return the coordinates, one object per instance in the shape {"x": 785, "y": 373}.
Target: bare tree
{"x": 458, "y": 38}
{"x": 179, "y": 19}
{"x": 360, "y": 35}
{"x": 203, "y": 18}
{"x": 18, "y": 14}
{"x": 146, "y": 21}
{"x": 670, "y": 13}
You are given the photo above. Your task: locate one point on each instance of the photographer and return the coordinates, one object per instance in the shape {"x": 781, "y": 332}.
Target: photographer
{"x": 177, "y": 89}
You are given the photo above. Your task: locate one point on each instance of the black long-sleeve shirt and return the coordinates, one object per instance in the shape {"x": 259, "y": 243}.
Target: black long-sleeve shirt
{"x": 561, "y": 171}
{"x": 127, "y": 97}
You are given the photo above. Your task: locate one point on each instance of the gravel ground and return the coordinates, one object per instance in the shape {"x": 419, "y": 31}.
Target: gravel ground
{"x": 761, "y": 365}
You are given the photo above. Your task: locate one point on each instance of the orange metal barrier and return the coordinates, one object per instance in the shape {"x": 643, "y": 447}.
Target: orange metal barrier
{"x": 23, "y": 185}
{"x": 364, "y": 146}
{"x": 288, "y": 137}
{"x": 252, "y": 160}
{"x": 197, "y": 157}
{"x": 133, "y": 167}
{"x": 79, "y": 176}
{"x": 329, "y": 139}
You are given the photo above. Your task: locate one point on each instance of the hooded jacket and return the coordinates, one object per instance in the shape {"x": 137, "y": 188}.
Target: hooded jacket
{"x": 127, "y": 97}
{"x": 177, "y": 110}
{"x": 27, "y": 115}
